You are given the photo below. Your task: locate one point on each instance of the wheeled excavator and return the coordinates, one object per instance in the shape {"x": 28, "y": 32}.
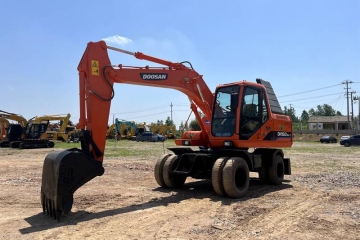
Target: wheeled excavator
{"x": 236, "y": 118}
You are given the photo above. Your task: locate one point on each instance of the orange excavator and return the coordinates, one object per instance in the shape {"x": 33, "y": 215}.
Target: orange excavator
{"x": 4, "y": 124}
{"x": 236, "y": 118}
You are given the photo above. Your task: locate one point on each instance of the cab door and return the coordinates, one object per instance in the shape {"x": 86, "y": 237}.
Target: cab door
{"x": 253, "y": 113}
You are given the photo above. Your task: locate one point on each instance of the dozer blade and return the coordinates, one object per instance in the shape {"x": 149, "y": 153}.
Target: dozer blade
{"x": 63, "y": 173}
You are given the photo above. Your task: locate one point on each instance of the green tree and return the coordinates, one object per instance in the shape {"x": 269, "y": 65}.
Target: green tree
{"x": 312, "y": 113}
{"x": 169, "y": 122}
{"x": 328, "y": 110}
{"x": 304, "y": 116}
{"x": 324, "y": 110}
{"x": 194, "y": 124}
{"x": 291, "y": 113}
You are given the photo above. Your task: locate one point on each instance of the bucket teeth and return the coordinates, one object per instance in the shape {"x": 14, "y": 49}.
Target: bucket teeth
{"x": 49, "y": 208}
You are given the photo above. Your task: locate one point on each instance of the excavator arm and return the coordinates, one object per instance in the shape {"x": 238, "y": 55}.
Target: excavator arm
{"x": 16, "y": 117}
{"x": 97, "y": 76}
{"x": 65, "y": 171}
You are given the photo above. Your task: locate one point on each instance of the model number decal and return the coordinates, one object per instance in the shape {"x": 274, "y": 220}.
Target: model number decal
{"x": 283, "y": 134}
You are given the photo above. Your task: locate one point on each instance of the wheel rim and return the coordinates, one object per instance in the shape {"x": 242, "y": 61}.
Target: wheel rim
{"x": 240, "y": 178}
{"x": 280, "y": 170}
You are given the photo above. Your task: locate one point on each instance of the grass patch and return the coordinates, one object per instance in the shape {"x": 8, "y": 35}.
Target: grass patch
{"x": 126, "y": 148}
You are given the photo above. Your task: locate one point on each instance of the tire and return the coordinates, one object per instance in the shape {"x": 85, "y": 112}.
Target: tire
{"x": 217, "y": 176}
{"x": 276, "y": 171}
{"x": 158, "y": 171}
{"x": 172, "y": 180}
{"x": 263, "y": 174}
{"x": 236, "y": 177}
{"x": 51, "y": 144}
{"x": 346, "y": 144}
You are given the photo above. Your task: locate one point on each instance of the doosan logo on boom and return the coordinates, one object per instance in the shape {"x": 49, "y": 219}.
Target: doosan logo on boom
{"x": 153, "y": 76}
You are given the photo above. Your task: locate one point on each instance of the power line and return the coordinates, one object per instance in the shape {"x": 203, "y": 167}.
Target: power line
{"x": 142, "y": 110}
{"x": 309, "y": 98}
{"x": 148, "y": 115}
{"x": 310, "y": 90}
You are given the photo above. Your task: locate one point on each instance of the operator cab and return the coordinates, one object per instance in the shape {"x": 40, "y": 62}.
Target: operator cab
{"x": 239, "y": 109}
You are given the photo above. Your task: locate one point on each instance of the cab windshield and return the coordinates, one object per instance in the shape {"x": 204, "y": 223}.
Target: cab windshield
{"x": 224, "y": 114}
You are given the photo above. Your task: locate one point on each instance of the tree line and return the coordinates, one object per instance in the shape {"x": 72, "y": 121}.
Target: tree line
{"x": 321, "y": 110}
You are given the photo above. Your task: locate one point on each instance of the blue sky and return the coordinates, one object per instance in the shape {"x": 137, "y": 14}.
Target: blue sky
{"x": 298, "y": 46}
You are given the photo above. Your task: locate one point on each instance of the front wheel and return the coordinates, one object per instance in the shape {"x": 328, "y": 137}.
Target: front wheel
{"x": 217, "y": 176}
{"x": 172, "y": 180}
{"x": 159, "y": 168}
{"x": 236, "y": 177}
{"x": 347, "y": 144}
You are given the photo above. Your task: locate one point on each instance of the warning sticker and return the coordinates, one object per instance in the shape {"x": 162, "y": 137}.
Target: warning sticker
{"x": 94, "y": 67}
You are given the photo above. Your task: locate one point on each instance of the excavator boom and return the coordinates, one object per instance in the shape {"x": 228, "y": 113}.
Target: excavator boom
{"x": 13, "y": 116}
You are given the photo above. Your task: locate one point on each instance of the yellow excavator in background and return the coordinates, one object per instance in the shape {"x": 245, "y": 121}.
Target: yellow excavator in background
{"x": 6, "y": 126}
{"x": 123, "y": 129}
{"x": 111, "y": 131}
{"x": 163, "y": 129}
{"x": 15, "y": 117}
{"x": 60, "y": 134}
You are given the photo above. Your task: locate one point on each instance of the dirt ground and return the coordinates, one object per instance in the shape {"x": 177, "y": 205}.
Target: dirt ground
{"x": 320, "y": 200}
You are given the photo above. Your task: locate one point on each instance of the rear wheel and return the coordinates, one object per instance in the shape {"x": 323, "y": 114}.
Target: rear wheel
{"x": 172, "y": 180}
{"x": 158, "y": 171}
{"x": 276, "y": 170}
{"x": 263, "y": 174}
{"x": 236, "y": 177}
{"x": 217, "y": 176}
{"x": 51, "y": 144}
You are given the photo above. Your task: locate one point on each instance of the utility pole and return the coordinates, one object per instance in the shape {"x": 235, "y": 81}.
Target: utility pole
{"x": 358, "y": 120}
{"x": 347, "y": 100}
{"x": 352, "y": 109}
{"x": 171, "y": 105}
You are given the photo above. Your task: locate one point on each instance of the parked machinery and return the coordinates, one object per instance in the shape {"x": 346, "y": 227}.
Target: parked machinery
{"x": 128, "y": 129}
{"x": 61, "y": 133}
{"x": 33, "y": 137}
{"x": 124, "y": 129}
{"x": 237, "y": 116}
{"x": 163, "y": 129}
{"x": 13, "y": 132}
{"x": 4, "y": 124}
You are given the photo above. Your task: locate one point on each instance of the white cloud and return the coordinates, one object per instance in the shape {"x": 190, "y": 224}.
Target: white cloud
{"x": 118, "y": 40}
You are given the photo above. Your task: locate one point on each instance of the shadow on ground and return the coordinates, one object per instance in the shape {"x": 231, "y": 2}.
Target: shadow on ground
{"x": 199, "y": 190}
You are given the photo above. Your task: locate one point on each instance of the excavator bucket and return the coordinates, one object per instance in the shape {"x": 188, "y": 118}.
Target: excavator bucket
{"x": 63, "y": 173}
